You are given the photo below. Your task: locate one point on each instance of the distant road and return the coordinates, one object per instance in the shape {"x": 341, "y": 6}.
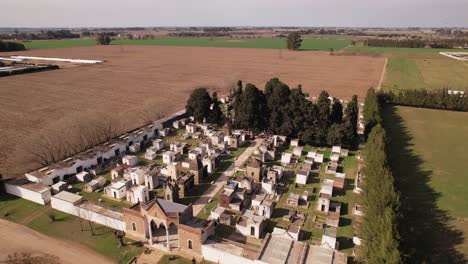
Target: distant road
{"x": 18, "y": 238}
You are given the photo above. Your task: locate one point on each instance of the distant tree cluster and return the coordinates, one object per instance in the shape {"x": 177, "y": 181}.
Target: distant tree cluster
{"x": 448, "y": 43}
{"x": 199, "y": 34}
{"x": 428, "y": 99}
{"x": 451, "y": 32}
{"x": 43, "y": 34}
{"x": 294, "y": 41}
{"x": 103, "y": 38}
{"x": 204, "y": 107}
{"x": 281, "y": 110}
{"x": 11, "y": 46}
{"x": 58, "y": 34}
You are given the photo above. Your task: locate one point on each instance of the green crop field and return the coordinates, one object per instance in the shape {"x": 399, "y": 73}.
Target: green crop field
{"x": 263, "y": 43}
{"x": 409, "y": 68}
{"x": 428, "y": 158}
{"x": 411, "y": 73}
{"x": 396, "y": 50}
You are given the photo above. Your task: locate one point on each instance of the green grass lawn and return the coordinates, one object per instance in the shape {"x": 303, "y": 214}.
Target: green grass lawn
{"x": 66, "y": 227}
{"x": 396, "y": 50}
{"x": 262, "y": 43}
{"x": 415, "y": 73}
{"x": 409, "y": 68}
{"x": 429, "y": 163}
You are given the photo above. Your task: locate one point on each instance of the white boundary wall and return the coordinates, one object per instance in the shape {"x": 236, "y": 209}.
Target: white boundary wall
{"x": 37, "y": 197}
{"x": 216, "y": 254}
{"x": 87, "y": 214}
{"x": 452, "y": 55}
{"x": 57, "y": 59}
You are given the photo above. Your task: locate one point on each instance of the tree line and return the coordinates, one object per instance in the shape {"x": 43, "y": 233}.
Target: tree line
{"x": 439, "y": 99}
{"x": 378, "y": 229}
{"x": 448, "y": 43}
{"x": 43, "y": 34}
{"x": 281, "y": 110}
{"x": 11, "y": 46}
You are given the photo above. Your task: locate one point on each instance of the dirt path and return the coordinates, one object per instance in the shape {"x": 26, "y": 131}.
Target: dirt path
{"x": 382, "y": 76}
{"x": 216, "y": 187}
{"x": 17, "y": 238}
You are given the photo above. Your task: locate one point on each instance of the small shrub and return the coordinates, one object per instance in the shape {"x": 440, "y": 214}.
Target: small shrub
{"x": 52, "y": 217}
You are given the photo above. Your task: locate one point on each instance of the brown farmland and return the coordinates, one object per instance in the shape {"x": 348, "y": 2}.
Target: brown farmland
{"x": 135, "y": 78}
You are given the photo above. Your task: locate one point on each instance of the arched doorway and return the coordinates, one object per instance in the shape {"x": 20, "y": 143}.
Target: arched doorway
{"x": 158, "y": 232}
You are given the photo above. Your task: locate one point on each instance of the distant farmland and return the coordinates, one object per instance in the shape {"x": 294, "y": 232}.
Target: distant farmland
{"x": 416, "y": 68}
{"x": 135, "y": 77}
{"x": 259, "y": 43}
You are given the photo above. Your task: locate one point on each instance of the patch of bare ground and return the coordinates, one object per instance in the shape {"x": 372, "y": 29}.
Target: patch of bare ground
{"x": 17, "y": 238}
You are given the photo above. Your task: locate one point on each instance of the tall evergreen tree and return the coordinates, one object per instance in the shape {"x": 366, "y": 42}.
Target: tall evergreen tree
{"x": 350, "y": 122}
{"x": 294, "y": 41}
{"x": 252, "y": 109}
{"x": 237, "y": 97}
{"x": 298, "y": 105}
{"x": 371, "y": 111}
{"x": 308, "y": 132}
{"x": 335, "y": 135}
{"x": 277, "y": 96}
{"x": 216, "y": 115}
{"x": 198, "y": 105}
{"x": 323, "y": 107}
{"x": 336, "y": 115}
{"x": 380, "y": 200}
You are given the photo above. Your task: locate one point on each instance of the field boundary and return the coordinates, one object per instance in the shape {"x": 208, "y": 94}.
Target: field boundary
{"x": 382, "y": 75}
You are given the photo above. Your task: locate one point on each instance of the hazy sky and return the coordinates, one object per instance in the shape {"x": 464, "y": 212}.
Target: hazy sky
{"x": 120, "y": 13}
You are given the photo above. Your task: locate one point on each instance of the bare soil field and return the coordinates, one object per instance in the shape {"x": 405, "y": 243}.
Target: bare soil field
{"x": 134, "y": 79}
{"x": 17, "y": 239}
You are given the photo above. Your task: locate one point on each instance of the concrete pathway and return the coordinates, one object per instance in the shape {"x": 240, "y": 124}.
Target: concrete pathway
{"x": 219, "y": 183}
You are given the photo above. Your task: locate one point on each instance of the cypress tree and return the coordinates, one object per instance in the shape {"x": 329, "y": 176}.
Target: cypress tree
{"x": 251, "y": 111}
{"x": 350, "y": 122}
{"x": 323, "y": 107}
{"x": 380, "y": 200}
{"x": 336, "y": 115}
{"x": 216, "y": 115}
{"x": 198, "y": 104}
{"x": 277, "y": 95}
{"x": 371, "y": 113}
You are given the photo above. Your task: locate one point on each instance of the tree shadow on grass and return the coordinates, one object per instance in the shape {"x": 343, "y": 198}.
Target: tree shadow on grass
{"x": 426, "y": 236}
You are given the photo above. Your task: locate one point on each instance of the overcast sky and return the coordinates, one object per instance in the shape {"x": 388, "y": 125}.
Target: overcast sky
{"x": 123, "y": 13}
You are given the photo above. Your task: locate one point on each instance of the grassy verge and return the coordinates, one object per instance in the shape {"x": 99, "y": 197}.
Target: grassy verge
{"x": 66, "y": 227}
